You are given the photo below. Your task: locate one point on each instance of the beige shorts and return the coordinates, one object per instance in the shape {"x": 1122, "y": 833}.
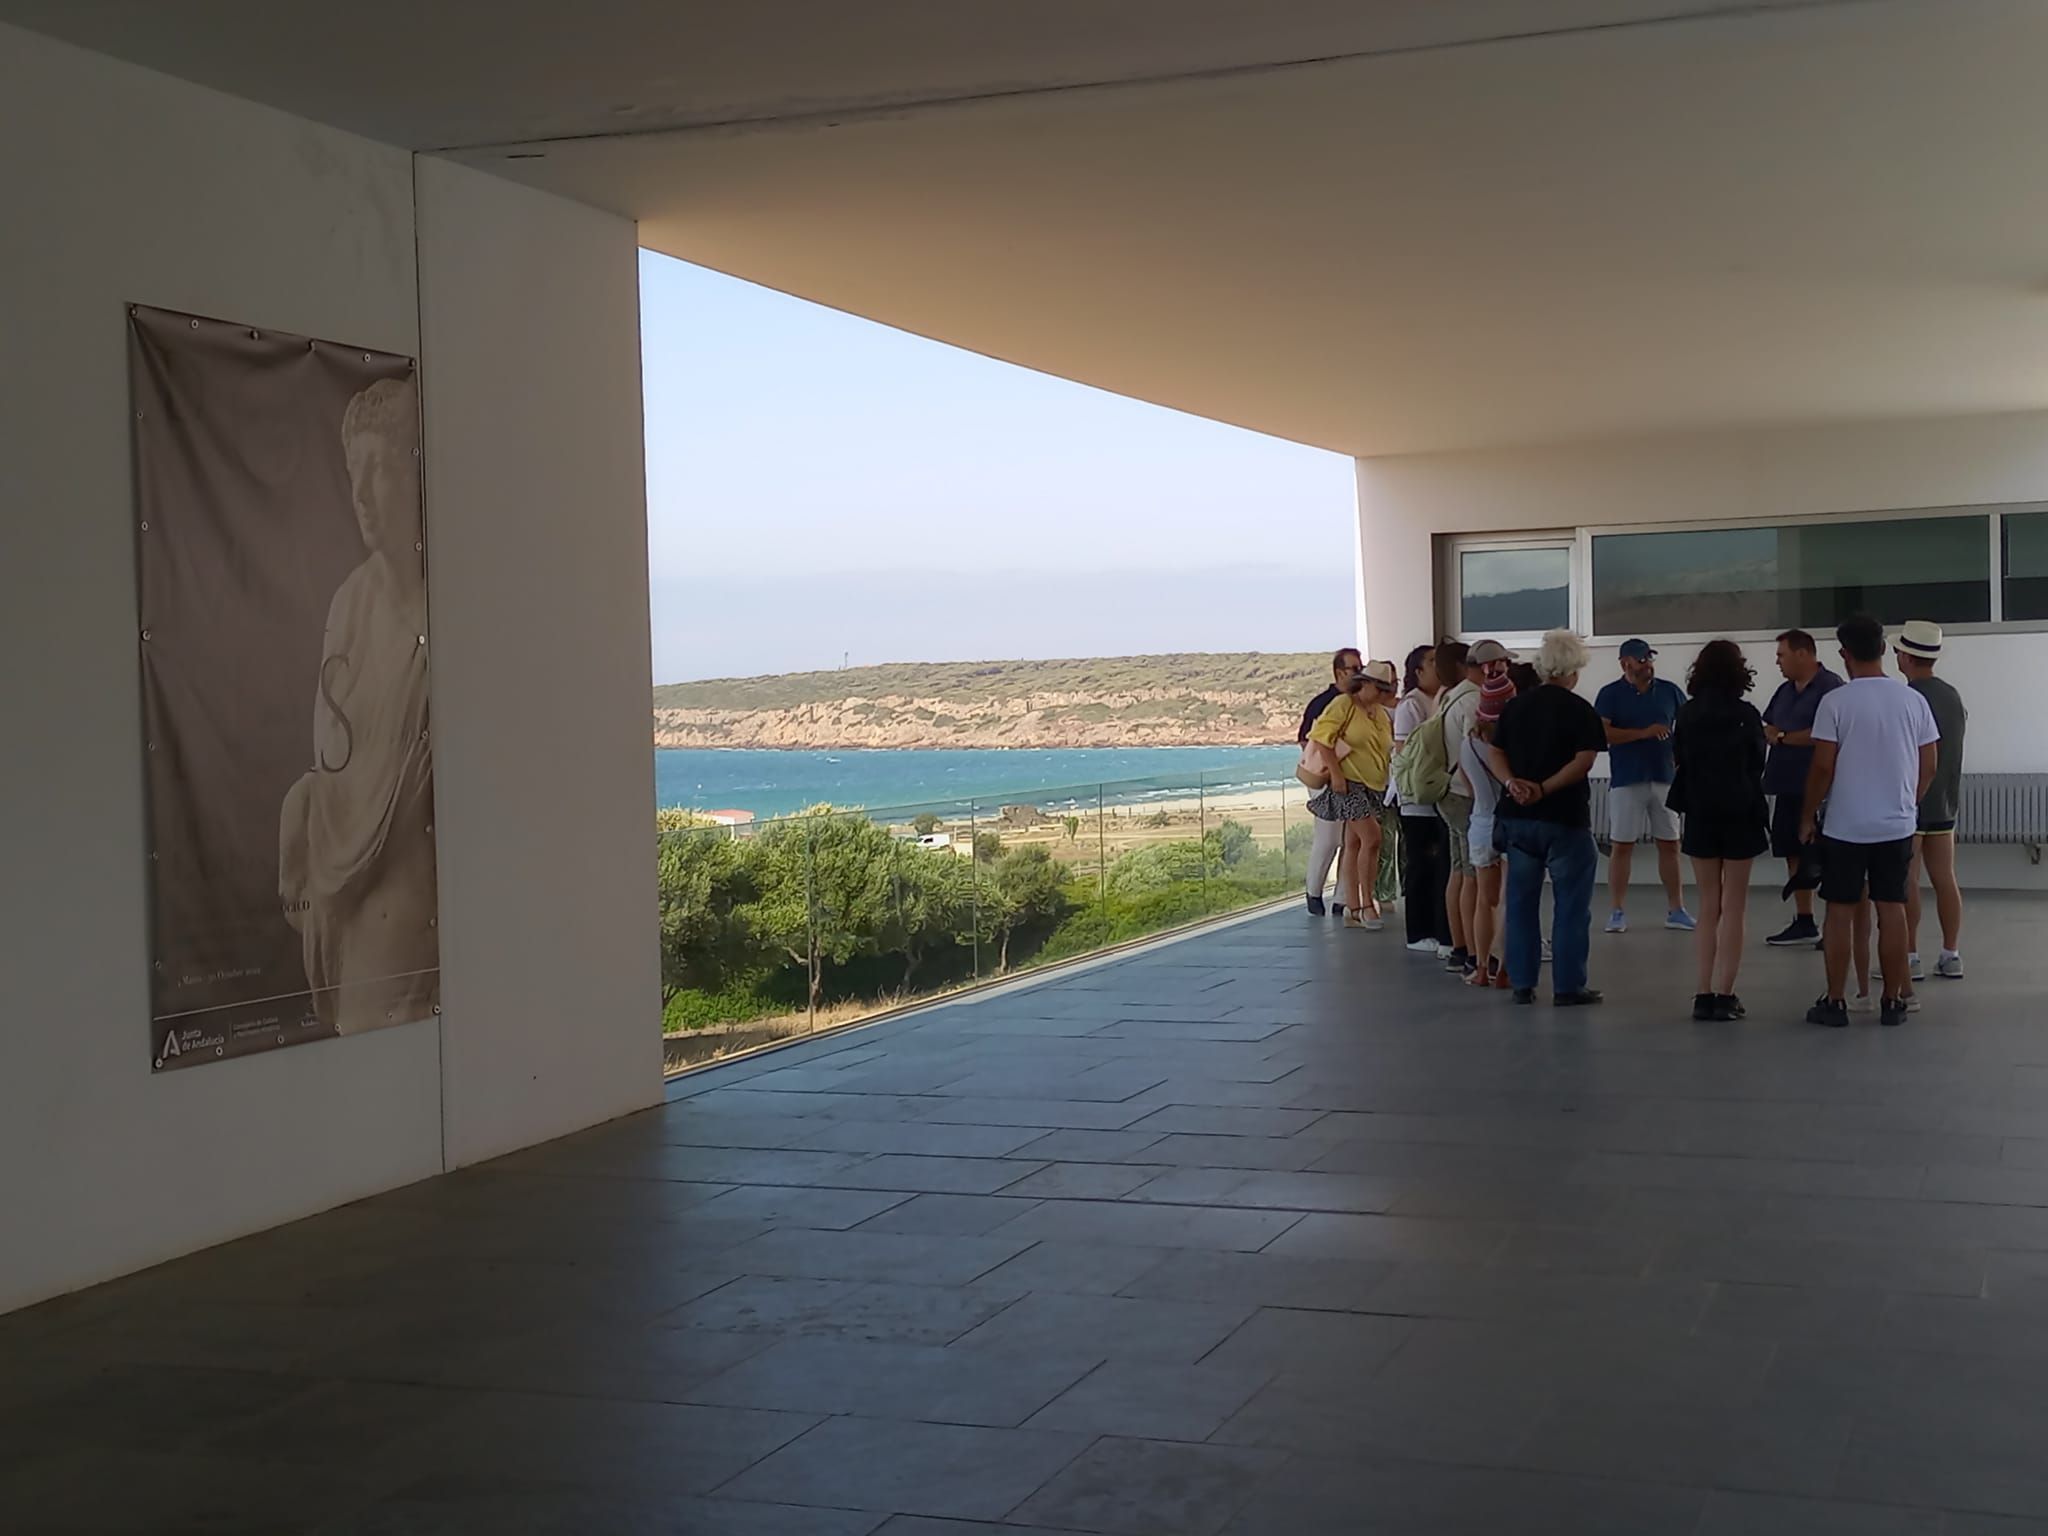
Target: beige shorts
{"x": 1456, "y": 811}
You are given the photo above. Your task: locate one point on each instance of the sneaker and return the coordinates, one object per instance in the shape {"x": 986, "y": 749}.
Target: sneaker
{"x": 1703, "y": 1004}
{"x": 1373, "y": 924}
{"x": 1315, "y": 906}
{"x": 1894, "y": 1014}
{"x": 1681, "y": 920}
{"x": 1455, "y": 961}
{"x": 1862, "y": 1002}
{"x": 1729, "y": 1007}
{"x": 1829, "y": 1013}
{"x": 1950, "y": 967}
{"x": 1422, "y": 947}
{"x": 1803, "y": 931}
{"x": 1585, "y": 997}
{"x": 1913, "y": 970}
{"x": 1471, "y": 972}
{"x": 1617, "y": 921}
{"x": 1525, "y": 996}
{"x": 1911, "y": 1002}
{"x": 1543, "y": 958}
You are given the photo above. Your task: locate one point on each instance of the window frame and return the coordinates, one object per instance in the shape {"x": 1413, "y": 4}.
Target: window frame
{"x": 2005, "y": 625}
{"x": 1577, "y": 580}
{"x": 1581, "y": 541}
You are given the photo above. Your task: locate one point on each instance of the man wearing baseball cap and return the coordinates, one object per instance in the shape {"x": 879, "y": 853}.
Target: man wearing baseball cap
{"x": 1918, "y": 649}
{"x": 1639, "y": 709}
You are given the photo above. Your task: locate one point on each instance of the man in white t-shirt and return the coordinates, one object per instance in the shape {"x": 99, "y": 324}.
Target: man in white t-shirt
{"x": 1874, "y": 756}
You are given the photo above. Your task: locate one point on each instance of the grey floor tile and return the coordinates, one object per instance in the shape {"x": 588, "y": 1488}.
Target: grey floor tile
{"x": 1289, "y": 1339}
{"x": 996, "y": 1388}
{"x": 1082, "y": 1146}
{"x": 1085, "y": 1181}
{"x": 1077, "y": 1269}
{"x": 1250, "y": 1152}
{"x": 1263, "y": 1280}
{"x": 920, "y": 1137}
{"x": 1329, "y": 1235}
{"x": 471, "y": 1510}
{"x": 1227, "y": 1120}
{"x": 600, "y": 1444}
{"x": 1416, "y": 1499}
{"x": 644, "y": 1363}
{"x": 846, "y": 1309}
{"x": 156, "y": 1493}
{"x": 942, "y": 1470}
{"x": 1336, "y": 1414}
{"x": 1835, "y": 1265}
{"x": 933, "y": 1175}
{"x": 1107, "y": 1327}
{"x": 1757, "y": 1514}
{"x": 1788, "y": 1449}
{"x": 908, "y": 1257}
{"x": 1139, "y": 1225}
{"x": 1578, "y": 1251}
{"x": 951, "y": 1215}
{"x": 919, "y": 1525}
{"x": 1152, "y": 1401}
{"x": 1048, "y": 1114}
{"x": 1150, "y": 1488}
{"x": 782, "y": 1207}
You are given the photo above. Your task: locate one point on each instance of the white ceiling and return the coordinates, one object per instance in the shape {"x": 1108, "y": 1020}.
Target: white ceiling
{"x": 1788, "y": 214}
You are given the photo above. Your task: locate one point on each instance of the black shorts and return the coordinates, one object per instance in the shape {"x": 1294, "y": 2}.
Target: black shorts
{"x": 1850, "y": 871}
{"x": 1785, "y": 815}
{"x": 1725, "y": 837}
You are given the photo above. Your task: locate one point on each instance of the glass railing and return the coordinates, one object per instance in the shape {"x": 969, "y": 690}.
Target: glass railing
{"x": 777, "y": 929}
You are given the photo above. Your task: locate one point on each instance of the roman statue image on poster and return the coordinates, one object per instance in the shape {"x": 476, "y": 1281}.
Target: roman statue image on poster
{"x": 288, "y": 763}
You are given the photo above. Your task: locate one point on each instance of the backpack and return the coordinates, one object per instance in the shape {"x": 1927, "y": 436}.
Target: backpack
{"x": 1423, "y": 771}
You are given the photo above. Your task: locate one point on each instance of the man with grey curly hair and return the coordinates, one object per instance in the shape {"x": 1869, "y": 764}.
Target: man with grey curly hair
{"x": 1543, "y": 747}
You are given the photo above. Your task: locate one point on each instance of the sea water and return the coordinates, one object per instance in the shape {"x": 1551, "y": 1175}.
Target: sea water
{"x": 774, "y": 783}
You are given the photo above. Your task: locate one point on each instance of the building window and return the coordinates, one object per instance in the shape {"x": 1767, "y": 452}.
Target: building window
{"x": 1804, "y": 575}
{"x": 1520, "y": 590}
{"x": 2026, "y": 565}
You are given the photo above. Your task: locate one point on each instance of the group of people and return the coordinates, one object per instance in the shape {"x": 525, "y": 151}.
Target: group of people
{"x": 1470, "y": 771}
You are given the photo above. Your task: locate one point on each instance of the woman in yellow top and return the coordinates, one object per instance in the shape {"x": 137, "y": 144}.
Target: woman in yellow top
{"x": 1358, "y": 729}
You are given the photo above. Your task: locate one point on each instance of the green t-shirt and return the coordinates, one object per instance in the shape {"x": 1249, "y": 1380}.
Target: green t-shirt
{"x": 1945, "y": 794}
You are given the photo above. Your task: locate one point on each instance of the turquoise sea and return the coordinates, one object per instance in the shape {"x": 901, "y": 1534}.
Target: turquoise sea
{"x": 943, "y": 778}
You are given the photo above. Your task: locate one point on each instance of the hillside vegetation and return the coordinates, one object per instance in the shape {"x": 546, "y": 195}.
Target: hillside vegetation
{"x": 1200, "y": 699}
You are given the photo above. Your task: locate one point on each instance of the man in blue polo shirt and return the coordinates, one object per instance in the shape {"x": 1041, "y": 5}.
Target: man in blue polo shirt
{"x": 1788, "y": 726}
{"x": 1639, "y": 708}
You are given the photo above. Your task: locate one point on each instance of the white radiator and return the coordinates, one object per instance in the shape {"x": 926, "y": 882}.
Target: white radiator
{"x": 2005, "y": 808}
{"x": 2010, "y": 808}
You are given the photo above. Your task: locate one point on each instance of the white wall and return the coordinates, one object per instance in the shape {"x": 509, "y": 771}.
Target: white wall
{"x": 542, "y": 673}
{"x": 1755, "y": 475}
{"x": 124, "y": 186}
{"x": 1404, "y": 500}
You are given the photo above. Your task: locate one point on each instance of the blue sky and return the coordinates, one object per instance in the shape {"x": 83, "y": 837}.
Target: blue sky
{"x": 821, "y": 486}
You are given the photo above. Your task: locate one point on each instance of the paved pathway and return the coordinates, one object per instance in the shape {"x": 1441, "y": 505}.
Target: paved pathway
{"x": 1270, "y": 1232}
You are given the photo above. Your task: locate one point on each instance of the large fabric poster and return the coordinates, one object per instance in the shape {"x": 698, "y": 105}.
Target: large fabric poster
{"x": 288, "y": 763}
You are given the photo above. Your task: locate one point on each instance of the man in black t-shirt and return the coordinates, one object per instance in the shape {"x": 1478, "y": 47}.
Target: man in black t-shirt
{"x": 1329, "y": 835}
{"x": 1543, "y": 748}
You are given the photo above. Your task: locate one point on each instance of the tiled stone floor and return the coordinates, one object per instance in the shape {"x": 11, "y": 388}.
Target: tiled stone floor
{"x": 1271, "y": 1232}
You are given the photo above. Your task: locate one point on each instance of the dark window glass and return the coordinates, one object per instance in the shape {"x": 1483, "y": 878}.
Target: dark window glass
{"x": 1808, "y": 576}
{"x": 1514, "y": 591}
{"x": 2026, "y": 565}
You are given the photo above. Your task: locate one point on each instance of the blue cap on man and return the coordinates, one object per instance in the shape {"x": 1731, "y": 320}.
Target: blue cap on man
{"x": 1637, "y": 650}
